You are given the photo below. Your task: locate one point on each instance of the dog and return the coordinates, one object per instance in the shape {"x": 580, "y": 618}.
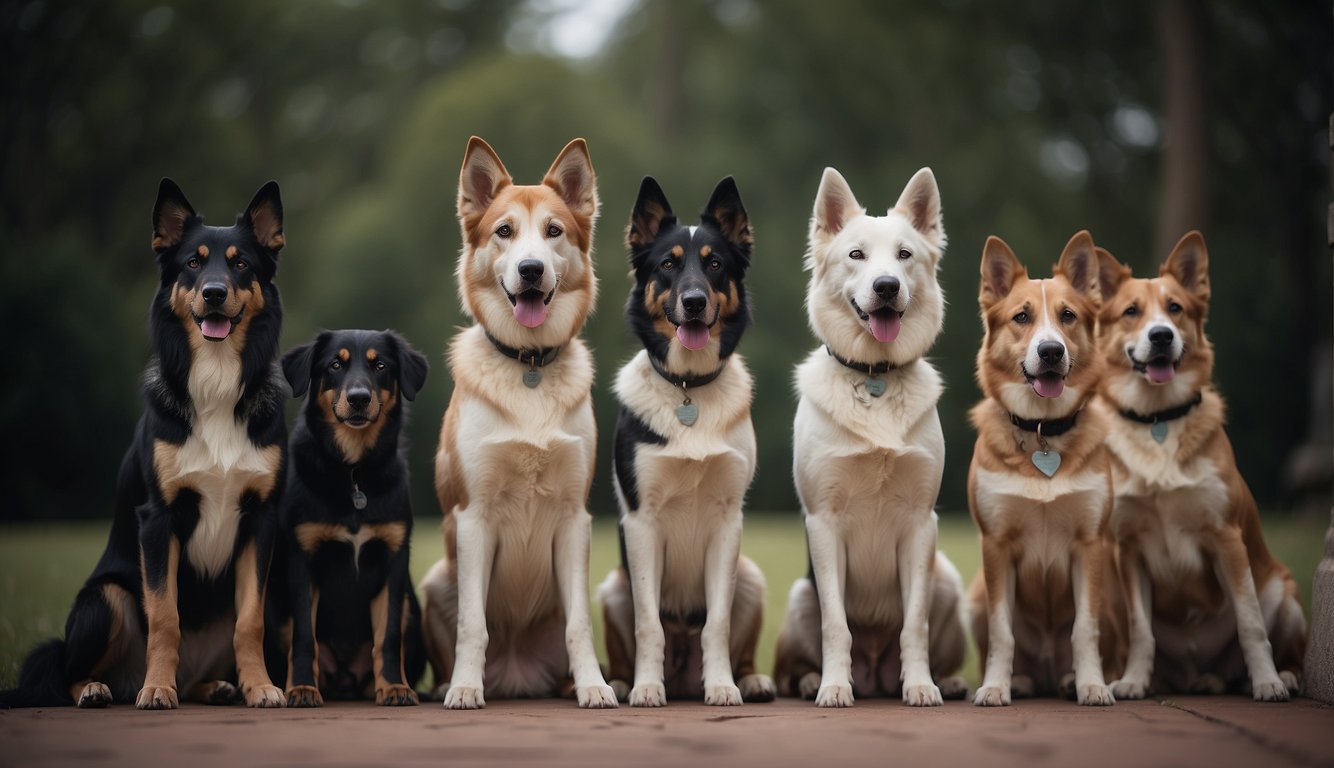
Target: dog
{"x": 347, "y": 521}
{"x": 517, "y": 443}
{"x": 683, "y": 611}
{"x": 880, "y": 610}
{"x": 176, "y": 602}
{"x": 1045, "y": 609}
{"x": 1206, "y": 599}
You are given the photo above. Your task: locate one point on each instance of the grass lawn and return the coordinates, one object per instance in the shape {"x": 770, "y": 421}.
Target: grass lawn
{"x": 42, "y": 566}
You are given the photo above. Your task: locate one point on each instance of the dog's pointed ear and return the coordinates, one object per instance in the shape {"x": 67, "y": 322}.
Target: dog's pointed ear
{"x": 920, "y": 202}
{"x": 650, "y": 211}
{"x": 834, "y": 205}
{"x": 264, "y": 217}
{"x": 727, "y": 211}
{"x": 172, "y": 214}
{"x": 480, "y": 179}
{"x": 412, "y": 366}
{"x": 1111, "y": 273}
{"x": 1079, "y": 265}
{"x": 1000, "y": 270}
{"x": 571, "y": 175}
{"x": 1189, "y": 264}
{"x": 297, "y": 364}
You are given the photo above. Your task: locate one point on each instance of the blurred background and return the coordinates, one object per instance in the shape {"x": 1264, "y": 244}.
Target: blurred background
{"x": 1138, "y": 120}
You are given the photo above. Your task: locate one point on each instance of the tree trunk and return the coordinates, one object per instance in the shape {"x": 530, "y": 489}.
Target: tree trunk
{"x": 1185, "y": 170}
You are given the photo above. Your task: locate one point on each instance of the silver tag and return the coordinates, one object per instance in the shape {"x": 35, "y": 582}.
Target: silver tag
{"x": 687, "y": 413}
{"x": 1047, "y": 462}
{"x": 875, "y": 387}
{"x": 358, "y": 499}
{"x": 531, "y": 378}
{"x": 1159, "y": 431}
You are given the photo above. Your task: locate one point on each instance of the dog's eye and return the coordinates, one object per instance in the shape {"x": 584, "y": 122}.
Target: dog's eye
{"x": 1131, "y": 311}
{"x": 242, "y": 265}
{"x": 857, "y": 255}
{"x": 554, "y": 231}
{"x": 668, "y": 264}
{"x": 380, "y": 366}
{"x": 904, "y": 254}
{"x": 1173, "y": 308}
{"x": 715, "y": 265}
{"x": 193, "y": 263}
{"x": 1067, "y": 316}
{"x": 336, "y": 365}
{"x": 1021, "y": 318}
{"x": 504, "y": 231}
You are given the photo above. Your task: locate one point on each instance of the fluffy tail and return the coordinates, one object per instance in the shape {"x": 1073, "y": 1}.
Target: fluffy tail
{"x": 42, "y": 679}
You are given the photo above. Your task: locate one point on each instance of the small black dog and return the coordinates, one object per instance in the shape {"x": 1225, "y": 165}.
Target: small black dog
{"x": 177, "y": 599}
{"x": 347, "y": 522}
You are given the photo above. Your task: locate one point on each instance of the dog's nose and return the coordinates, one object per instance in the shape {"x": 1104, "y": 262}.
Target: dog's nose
{"x": 694, "y": 301}
{"x": 359, "y": 397}
{"x": 214, "y": 293}
{"x": 530, "y": 270}
{"x": 1051, "y": 352}
{"x": 1160, "y": 336}
{"x": 886, "y": 287}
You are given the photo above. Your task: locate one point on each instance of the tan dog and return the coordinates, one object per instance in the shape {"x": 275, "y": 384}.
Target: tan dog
{"x": 509, "y": 601}
{"x": 1039, "y": 486}
{"x": 1205, "y": 596}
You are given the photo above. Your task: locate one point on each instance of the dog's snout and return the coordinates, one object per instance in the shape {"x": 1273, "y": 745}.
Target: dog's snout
{"x": 694, "y": 301}
{"x": 886, "y": 287}
{"x": 214, "y": 293}
{"x": 1160, "y": 336}
{"x": 359, "y": 396}
{"x": 530, "y": 270}
{"x": 1051, "y": 352}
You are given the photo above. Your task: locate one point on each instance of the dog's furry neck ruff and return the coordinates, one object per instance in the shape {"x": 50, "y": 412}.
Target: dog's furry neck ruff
{"x": 685, "y": 382}
{"x": 536, "y": 357}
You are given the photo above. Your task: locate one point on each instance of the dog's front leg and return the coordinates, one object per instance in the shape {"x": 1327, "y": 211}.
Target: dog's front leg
{"x": 387, "y": 620}
{"x": 916, "y": 558}
{"x": 303, "y": 658}
{"x": 476, "y": 553}
{"x": 1086, "y": 579}
{"x": 571, "y": 562}
{"x": 829, "y": 563}
{"x": 252, "y": 568}
{"x": 998, "y": 573}
{"x": 720, "y": 565}
{"x": 1234, "y": 570}
{"x": 643, "y": 551}
{"x": 159, "y": 562}
{"x": 1134, "y": 682}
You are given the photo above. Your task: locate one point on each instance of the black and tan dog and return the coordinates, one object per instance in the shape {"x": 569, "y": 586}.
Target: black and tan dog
{"x": 347, "y": 521}
{"x": 684, "y": 609}
{"x": 177, "y": 601}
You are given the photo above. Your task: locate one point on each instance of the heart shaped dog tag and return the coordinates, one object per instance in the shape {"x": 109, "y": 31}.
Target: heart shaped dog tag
{"x": 1047, "y": 462}
{"x": 687, "y": 413}
{"x": 1159, "y": 431}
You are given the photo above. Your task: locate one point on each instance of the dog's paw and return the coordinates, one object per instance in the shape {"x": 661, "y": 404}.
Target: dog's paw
{"x": 953, "y": 688}
{"x": 833, "y": 695}
{"x": 725, "y": 695}
{"x": 1208, "y": 685}
{"x": 1291, "y": 681}
{"x": 924, "y": 695}
{"x": 153, "y": 697}
{"x": 265, "y": 697}
{"x": 1022, "y": 686}
{"x": 757, "y": 688}
{"x": 809, "y": 685}
{"x": 304, "y": 696}
{"x": 648, "y": 695}
{"x": 1127, "y": 688}
{"x": 1269, "y": 690}
{"x": 1094, "y": 695}
{"x": 396, "y": 695}
{"x": 215, "y": 693}
{"x": 464, "y": 697}
{"x": 438, "y": 693}
{"x": 621, "y": 689}
{"x": 596, "y": 697}
{"x": 992, "y": 696}
{"x": 95, "y": 695}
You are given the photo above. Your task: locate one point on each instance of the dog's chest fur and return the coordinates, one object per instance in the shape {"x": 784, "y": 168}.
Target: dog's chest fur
{"x": 1048, "y": 514}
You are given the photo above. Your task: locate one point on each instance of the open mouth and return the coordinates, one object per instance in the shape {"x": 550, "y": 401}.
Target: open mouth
{"x": 1159, "y": 369}
{"x": 693, "y": 334}
{"x": 530, "y": 305}
{"x": 1046, "y": 383}
{"x": 884, "y": 323}
{"x": 216, "y": 326}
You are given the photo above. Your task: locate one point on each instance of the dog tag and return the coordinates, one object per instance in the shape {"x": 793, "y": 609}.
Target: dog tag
{"x": 875, "y": 387}
{"x": 687, "y": 413}
{"x": 358, "y": 499}
{"x": 1159, "y": 431}
{"x": 1047, "y": 462}
{"x": 531, "y": 378}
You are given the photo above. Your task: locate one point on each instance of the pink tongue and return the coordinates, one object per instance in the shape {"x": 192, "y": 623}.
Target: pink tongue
{"x": 216, "y": 327}
{"x": 885, "y": 327}
{"x": 693, "y": 335}
{"x": 1160, "y": 373}
{"x": 1048, "y": 386}
{"x": 530, "y": 311}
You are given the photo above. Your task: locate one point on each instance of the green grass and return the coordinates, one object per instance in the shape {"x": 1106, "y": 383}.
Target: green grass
{"x": 42, "y": 566}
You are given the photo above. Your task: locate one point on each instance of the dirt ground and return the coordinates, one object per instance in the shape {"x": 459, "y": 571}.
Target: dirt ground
{"x": 1219, "y": 731}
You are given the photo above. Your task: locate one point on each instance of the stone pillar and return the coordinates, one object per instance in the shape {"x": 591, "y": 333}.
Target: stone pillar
{"x": 1320, "y": 651}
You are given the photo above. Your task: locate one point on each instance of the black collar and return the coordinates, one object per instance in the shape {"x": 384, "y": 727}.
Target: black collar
{"x": 534, "y": 357}
{"x": 1053, "y": 428}
{"x": 686, "y": 382}
{"x": 867, "y": 368}
{"x": 1167, "y": 414}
